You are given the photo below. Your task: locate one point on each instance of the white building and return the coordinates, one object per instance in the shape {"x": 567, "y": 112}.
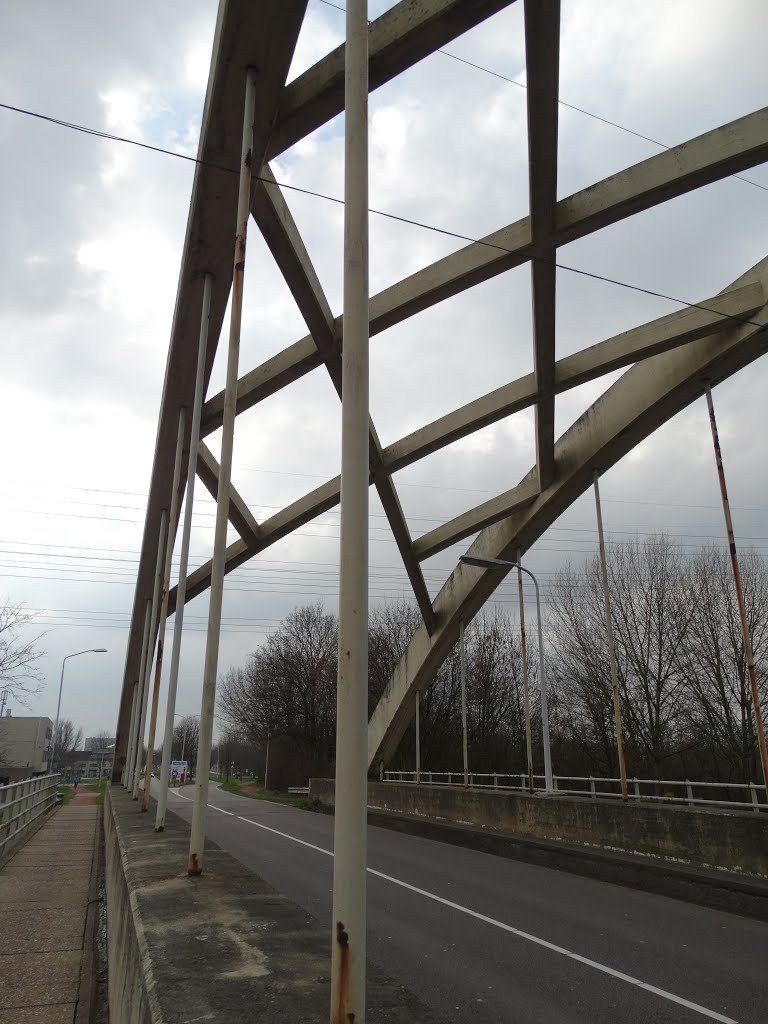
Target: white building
{"x": 24, "y": 747}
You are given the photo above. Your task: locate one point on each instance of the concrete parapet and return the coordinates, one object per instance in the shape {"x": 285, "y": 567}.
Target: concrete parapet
{"x": 221, "y": 948}
{"x": 732, "y": 841}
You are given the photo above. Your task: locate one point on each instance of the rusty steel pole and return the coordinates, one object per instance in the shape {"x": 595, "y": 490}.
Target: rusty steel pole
{"x": 164, "y": 605}
{"x": 130, "y": 756}
{"x": 524, "y": 657}
{"x": 162, "y": 540}
{"x": 418, "y": 738}
{"x": 197, "y": 837}
{"x": 131, "y": 728}
{"x": 349, "y": 867}
{"x": 739, "y": 590}
{"x": 181, "y": 585}
{"x": 611, "y": 643}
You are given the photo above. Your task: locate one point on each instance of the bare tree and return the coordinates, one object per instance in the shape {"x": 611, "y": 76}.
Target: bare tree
{"x": 288, "y": 689}
{"x": 18, "y": 657}
{"x": 186, "y": 734}
{"x": 651, "y": 609}
{"x": 712, "y": 663}
{"x": 66, "y": 740}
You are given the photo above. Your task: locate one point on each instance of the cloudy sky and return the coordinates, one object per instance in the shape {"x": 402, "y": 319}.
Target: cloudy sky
{"x": 92, "y": 234}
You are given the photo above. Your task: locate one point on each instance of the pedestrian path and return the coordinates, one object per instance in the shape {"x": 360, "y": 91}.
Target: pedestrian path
{"x": 44, "y": 893}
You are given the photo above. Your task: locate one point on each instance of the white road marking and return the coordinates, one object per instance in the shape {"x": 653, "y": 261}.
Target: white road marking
{"x": 213, "y": 806}
{"x": 662, "y": 993}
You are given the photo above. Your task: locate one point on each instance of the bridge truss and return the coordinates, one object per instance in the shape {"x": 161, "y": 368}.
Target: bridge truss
{"x": 668, "y": 362}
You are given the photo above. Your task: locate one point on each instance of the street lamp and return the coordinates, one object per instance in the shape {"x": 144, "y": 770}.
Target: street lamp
{"x": 501, "y": 563}
{"x": 91, "y": 650}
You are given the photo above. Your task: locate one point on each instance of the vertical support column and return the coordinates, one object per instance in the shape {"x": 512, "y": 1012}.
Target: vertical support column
{"x": 164, "y": 605}
{"x": 131, "y": 729}
{"x": 611, "y": 644}
{"x": 463, "y": 673}
{"x": 162, "y": 540}
{"x": 524, "y": 656}
{"x": 418, "y": 738}
{"x": 181, "y": 586}
{"x": 349, "y": 899}
{"x": 131, "y": 758}
{"x": 543, "y": 685}
{"x": 197, "y": 838}
{"x": 739, "y": 591}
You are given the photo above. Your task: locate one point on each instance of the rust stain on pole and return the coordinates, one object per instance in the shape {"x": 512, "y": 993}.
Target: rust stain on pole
{"x": 739, "y": 590}
{"x": 342, "y": 1014}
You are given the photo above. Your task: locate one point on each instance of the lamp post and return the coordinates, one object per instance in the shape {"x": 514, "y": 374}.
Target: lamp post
{"x": 501, "y": 563}
{"x": 91, "y": 650}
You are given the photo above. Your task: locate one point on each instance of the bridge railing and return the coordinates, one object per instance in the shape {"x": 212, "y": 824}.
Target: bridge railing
{"x": 21, "y": 804}
{"x": 749, "y": 795}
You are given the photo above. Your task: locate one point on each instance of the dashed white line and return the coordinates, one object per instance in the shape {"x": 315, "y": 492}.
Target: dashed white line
{"x": 662, "y": 993}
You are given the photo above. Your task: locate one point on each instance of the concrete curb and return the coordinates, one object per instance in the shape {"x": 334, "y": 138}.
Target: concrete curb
{"x": 90, "y": 963}
{"x": 747, "y": 897}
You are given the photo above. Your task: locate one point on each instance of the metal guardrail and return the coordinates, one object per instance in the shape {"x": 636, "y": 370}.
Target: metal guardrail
{"x": 21, "y": 804}
{"x": 594, "y": 787}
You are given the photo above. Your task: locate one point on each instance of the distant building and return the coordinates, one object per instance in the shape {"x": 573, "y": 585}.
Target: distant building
{"x": 98, "y": 743}
{"x": 24, "y": 747}
{"x": 88, "y": 764}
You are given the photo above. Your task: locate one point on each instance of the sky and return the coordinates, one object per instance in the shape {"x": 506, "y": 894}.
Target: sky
{"x": 92, "y": 233}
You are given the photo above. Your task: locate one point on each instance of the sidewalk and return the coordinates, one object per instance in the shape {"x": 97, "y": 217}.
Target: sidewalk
{"x": 44, "y": 894}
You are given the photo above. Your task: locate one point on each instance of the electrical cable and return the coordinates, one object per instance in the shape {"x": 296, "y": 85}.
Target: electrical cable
{"x": 390, "y": 216}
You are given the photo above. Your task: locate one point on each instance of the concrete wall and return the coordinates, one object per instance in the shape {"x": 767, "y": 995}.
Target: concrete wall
{"x": 129, "y": 1001}
{"x": 730, "y": 840}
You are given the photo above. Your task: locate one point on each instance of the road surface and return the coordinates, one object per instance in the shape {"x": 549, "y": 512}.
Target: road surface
{"x": 484, "y": 939}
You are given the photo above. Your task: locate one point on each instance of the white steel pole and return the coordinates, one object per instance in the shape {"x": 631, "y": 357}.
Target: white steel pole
{"x": 172, "y": 515}
{"x": 524, "y": 657}
{"x": 181, "y": 585}
{"x": 611, "y": 643}
{"x": 349, "y": 877}
{"x": 463, "y": 674}
{"x": 266, "y": 765}
{"x": 130, "y": 764}
{"x": 197, "y": 838}
{"x": 544, "y": 704}
{"x": 131, "y": 729}
{"x": 139, "y": 742}
{"x": 418, "y": 738}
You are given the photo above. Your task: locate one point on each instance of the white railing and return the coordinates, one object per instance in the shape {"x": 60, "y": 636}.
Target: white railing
{"x": 649, "y": 790}
{"x": 21, "y": 804}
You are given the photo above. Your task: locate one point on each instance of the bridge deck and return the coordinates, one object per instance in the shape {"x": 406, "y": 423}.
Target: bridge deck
{"x": 44, "y": 894}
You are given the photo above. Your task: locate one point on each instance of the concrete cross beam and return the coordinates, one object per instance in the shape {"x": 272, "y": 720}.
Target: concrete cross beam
{"x": 239, "y": 514}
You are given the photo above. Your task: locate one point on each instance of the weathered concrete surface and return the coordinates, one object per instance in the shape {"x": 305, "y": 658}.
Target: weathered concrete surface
{"x": 44, "y": 894}
{"x": 732, "y": 841}
{"x": 221, "y": 948}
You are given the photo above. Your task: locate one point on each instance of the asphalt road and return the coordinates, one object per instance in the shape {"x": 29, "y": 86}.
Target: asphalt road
{"x": 484, "y": 939}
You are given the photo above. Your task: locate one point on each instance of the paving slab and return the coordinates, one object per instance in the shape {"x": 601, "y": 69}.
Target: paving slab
{"x": 44, "y": 892}
{"x": 31, "y": 929}
{"x": 39, "y": 980}
{"x": 60, "y": 1013}
{"x": 49, "y": 890}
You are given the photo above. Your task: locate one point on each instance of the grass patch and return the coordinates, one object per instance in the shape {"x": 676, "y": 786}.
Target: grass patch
{"x": 97, "y": 787}
{"x": 66, "y": 793}
{"x": 255, "y": 791}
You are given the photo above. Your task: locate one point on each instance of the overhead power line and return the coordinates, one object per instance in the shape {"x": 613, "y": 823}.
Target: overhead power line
{"x": 561, "y": 102}
{"x": 380, "y": 213}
